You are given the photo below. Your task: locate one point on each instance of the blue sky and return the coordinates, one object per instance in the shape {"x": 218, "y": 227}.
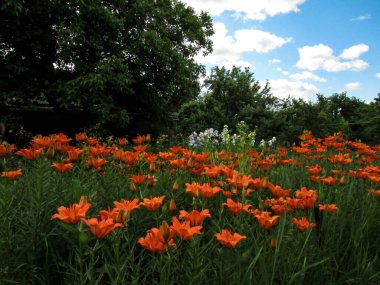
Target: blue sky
{"x": 303, "y": 47}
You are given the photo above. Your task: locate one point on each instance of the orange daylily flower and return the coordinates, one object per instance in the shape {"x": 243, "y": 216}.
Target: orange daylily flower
{"x": 303, "y": 224}
{"x": 73, "y": 155}
{"x": 118, "y": 215}
{"x": 138, "y": 179}
{"x": 12, "y": 175}
{"x": 177, "y": 163}
{"x": 81, "y": 137}
{"x": 329, "y": 180}
{"x": 340, "y": 158}
{"x": 99, "y": 150}
{"x": 277, "y": 191}
{"x": 61, "y": 137}
{"x": 184, "y": 230}
{"x": 257, "y": 183}
{"x": 140, "y": 148}
{"x": 157, "y": 240}
{"x": 29, "y": 153}
{"x": 307, "y": 203}
{"x": 205, "y": 190}
{"x": 228, "y": 239}
{"x": 314, "y": 169}
{"x": 279, "y": 209}
{"x": 195, "y": 217}
{"x": 127, "y": 205}
{"x": 73, "y": 213}
{"x": 96, "y": 163}
{"x": 92, "y": 141}
{"x": 286, "y": 161}
{"x": 266, "y": 221}
{"x": 101, "y": 228}
{"x": 330, "y": 208}
{"x": 42, "y": 142}
{"x": 166, "y": 155}
{"x": 62, "y": 167}
{"x": 199, "y": 157}
{"x": 293, "y": 203}
{"x": 122, "y": 141}
{"x": 153, "y": 203}
{"x": 192, "y": 188}
{"x": 239, "y": 181}
{"x": 6, "y": 149}
{"x": 306, "y": 193}
{"x": 236, "y": 207}
{"x": 374, "y": 178}
{"x": 139, "y": 140}
{"x": 315, "y": 179}
{"x": 374, "y": 192}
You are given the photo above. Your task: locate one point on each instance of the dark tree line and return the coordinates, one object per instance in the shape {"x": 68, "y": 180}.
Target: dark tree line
{"x": 234, "y": 95}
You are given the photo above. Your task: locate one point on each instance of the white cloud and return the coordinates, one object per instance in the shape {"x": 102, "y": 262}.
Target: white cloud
{"x": 321, "y": 57}
{"x": 282, "y": 88}
{"x": 274, "y": 60}
{"x": 258, "y": 41}
{"x": 228, "y": 50}
{"x": 304, "y": 75}
{"x": 254, "y": 10}
{"x": 354, "y": 51}
{"x": 361, "y": 18}
{"x": 378, "y": 75}
{"x": 352, "y": 86}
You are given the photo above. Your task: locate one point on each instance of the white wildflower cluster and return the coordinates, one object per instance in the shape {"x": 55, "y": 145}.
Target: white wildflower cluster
{"x": 224, "y": 138}
{"x": 207, "y": 136}
{"x": 268, "y": 143}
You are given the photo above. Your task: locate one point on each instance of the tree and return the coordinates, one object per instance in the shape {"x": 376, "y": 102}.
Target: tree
{"x": 129, "y": 63}
{"x": 232, "y": 96}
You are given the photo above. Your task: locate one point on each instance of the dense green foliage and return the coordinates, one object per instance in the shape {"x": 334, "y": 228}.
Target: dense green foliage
{"x": 234, "y": 95}
{"x": 129, "y": 63}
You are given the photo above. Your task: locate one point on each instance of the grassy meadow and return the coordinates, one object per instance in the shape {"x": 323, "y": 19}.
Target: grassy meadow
{"x": 84, "y": 211}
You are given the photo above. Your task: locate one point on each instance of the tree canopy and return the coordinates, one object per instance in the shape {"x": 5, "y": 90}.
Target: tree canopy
{"x": 129, "y": 63}
{"x": 232, "y": 96}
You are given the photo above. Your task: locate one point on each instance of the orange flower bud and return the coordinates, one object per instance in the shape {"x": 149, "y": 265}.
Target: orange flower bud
{"x": 164, "y": 229}
{"x": 265, "y": 182}
{"x": 273, "y": 243}
{"x": 50, "y": 152}
{"x": 175, "y": 186}
{"x": 132, "y": 187}
{"x": 152, "y": 167}
{"x": 172, "y": 206}
{"x": 148, "y": 138}
{"x": 342, "y": 180}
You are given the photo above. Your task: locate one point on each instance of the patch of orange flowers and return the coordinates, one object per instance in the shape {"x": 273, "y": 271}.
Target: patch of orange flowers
{"x": 207, "y": 174}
